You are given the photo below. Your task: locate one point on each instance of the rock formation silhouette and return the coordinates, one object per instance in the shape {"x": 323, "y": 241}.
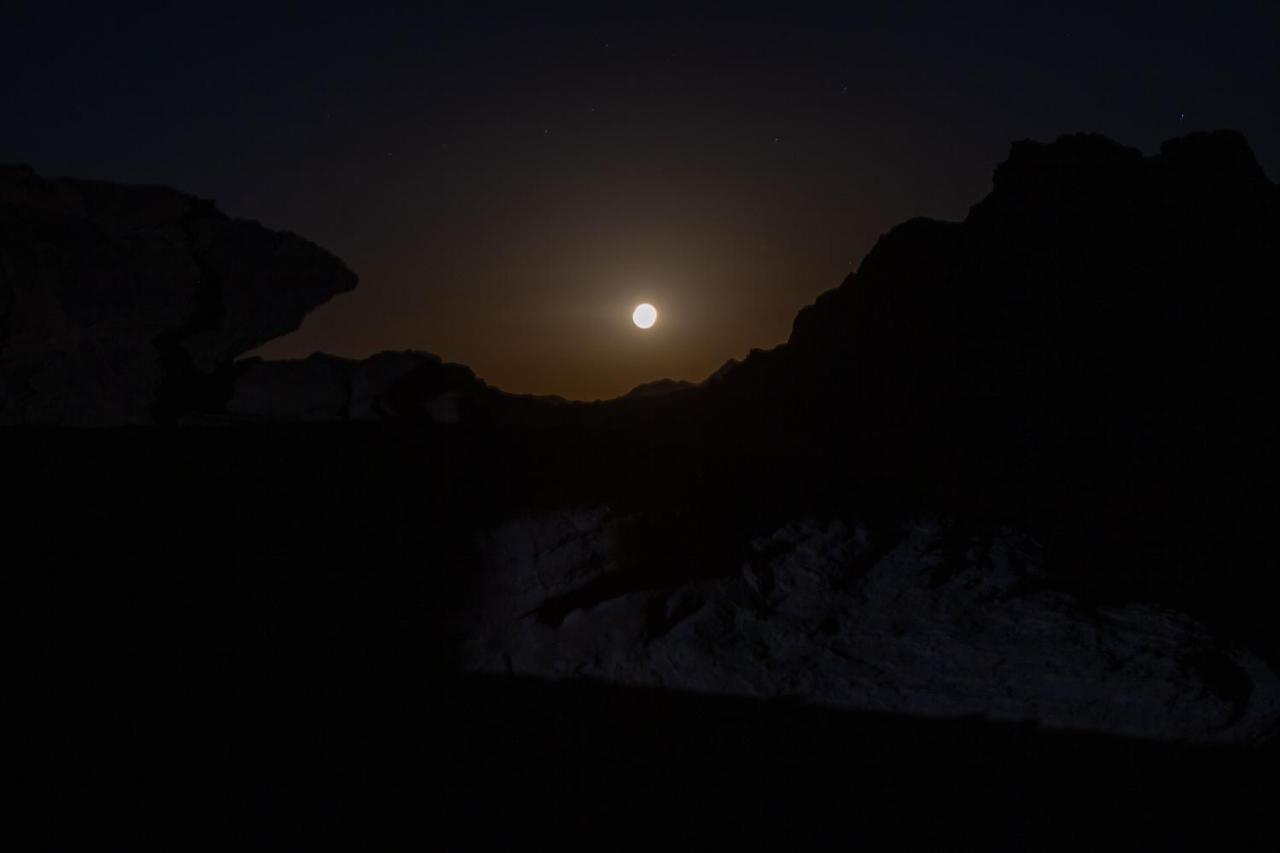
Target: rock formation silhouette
{"x": 128, "y": 305}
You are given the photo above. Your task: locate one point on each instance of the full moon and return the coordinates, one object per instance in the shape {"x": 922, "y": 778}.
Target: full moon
{"x": 645, "y": 315}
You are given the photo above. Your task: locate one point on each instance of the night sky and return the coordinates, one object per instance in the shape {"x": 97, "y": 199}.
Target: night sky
{"x": 508, "y": 187}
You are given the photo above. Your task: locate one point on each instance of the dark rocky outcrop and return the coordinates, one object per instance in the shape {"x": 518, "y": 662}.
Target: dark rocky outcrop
{"x": 127, "y": 304}
{"x": 390, "y": 385}
{"x": 1093, "y": 282}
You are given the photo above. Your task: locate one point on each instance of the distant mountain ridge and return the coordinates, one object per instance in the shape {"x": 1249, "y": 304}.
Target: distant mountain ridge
{"x": 660, "y": 386}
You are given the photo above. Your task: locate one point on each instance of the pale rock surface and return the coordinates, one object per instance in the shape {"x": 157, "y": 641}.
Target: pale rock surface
{"x": 929, "y": 628}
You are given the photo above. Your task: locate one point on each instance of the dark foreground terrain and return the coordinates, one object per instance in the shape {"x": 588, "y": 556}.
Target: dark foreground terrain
{"x": 246, "y": 647}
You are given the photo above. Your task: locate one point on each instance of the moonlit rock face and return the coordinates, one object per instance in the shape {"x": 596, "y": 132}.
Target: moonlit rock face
{"x": 645, "y": 315}
{"x": 818, "y": 615}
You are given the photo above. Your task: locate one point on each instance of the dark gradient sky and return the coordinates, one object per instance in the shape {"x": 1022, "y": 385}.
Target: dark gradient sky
{"x": 509, "y": 186}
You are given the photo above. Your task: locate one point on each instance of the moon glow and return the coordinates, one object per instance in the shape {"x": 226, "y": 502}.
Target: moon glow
{"x": 645, "y": 315}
